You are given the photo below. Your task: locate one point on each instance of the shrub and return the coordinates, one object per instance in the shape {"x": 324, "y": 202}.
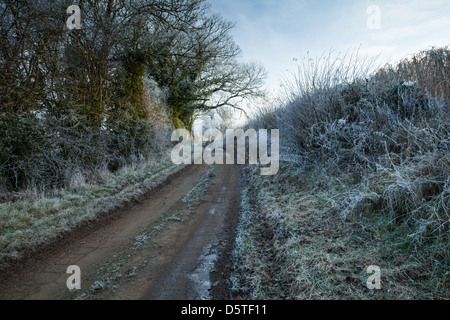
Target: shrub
{"x": 390, "y": 129}
{"x": 44, "y": 151}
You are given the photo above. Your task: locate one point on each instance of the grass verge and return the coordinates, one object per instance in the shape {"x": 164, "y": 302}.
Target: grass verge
{"x": 31, "y": 223}
{"x": 294, "y": 243}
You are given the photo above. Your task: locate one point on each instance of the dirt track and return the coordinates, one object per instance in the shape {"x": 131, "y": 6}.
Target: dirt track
{"x": 169, "y": 246}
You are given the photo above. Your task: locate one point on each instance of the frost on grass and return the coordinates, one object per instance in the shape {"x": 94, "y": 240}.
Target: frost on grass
{"x": 141, "y": 239}
{"x": 29, "y": 223}
{"x": 292, "y": 243}
{"x": 196, "y": 193}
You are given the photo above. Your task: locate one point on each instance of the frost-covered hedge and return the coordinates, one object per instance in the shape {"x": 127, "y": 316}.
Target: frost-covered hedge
{"x": 388, "y": 128}
{"x": 43, "y": 152}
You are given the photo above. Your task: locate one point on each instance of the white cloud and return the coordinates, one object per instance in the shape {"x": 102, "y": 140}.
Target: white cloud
{"x": 276, "y": 31}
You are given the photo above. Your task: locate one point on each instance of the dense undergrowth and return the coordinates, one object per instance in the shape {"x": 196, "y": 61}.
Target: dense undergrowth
{"x": 42, "y": 151}
{"x": 364, "y": 180}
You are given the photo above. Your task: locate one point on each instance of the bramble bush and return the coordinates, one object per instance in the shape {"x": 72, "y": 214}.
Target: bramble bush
{"x": 389, "y": 128}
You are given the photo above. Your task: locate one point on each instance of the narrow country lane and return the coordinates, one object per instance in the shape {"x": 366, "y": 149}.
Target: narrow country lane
{"x": 176, "y": 244}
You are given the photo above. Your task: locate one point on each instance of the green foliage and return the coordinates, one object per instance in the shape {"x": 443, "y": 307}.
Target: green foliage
{"x": 21, "y": 137}
{"x": 132, "y": 86}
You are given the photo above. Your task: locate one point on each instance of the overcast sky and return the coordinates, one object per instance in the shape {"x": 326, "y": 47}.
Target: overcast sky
{"x": 275, "y": 32}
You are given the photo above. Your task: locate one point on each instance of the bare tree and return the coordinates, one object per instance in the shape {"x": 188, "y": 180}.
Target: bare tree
{"x": 199, "y": 65}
